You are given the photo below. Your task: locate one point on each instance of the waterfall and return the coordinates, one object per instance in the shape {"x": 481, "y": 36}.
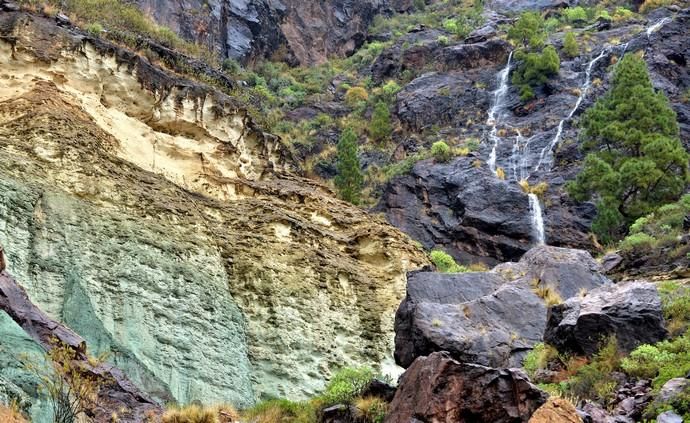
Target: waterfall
{"x": 655, "y": 27}
{"x": 496, "y": 109}
{"x": 537, "y": 219}
{"x": 584, "y": 89}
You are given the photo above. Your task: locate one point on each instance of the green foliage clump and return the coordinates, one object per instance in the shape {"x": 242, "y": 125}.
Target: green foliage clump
{"x": 405, "y": 166}
{"x": 592, "y": 381}
{"x": 635, "y": 162}
{"x": 356, "y": 95}
{"x": 680, "y": 404}
{"x": 380, "y": 128}
{"x": 347, "y": 384}
{"x": 661, "y": 362}
{"x": 534, "y": 70}
{"x": 282, "y": 410}
{"x": 349, "y": 179}
{"x": 441, "y": 152}
{"x": 445, "y": 263}
{"x": 570, "y": 46}
{"x": 675, "y": 303}
{"x": 637, "y": 242}
{"x": 538, "y": 358}
{"x": 574, "y": 14}
{"x": 419, "y": 5}
{"x": 94, "y": 29}
{"x": 390, "y": 89}
{"x": 528, "y": 31}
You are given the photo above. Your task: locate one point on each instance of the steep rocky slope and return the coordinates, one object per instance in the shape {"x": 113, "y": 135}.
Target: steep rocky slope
{"x": 291, "y": 30}
{"x": 150, "y": 215}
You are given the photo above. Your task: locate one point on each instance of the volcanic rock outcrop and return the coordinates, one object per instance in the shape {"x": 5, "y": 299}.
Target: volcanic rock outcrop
{"x": 439, "y": 389}
{"x": 631, "y": 312}
{"x": 149, "y": 214}
{"x": 490, "y": 318}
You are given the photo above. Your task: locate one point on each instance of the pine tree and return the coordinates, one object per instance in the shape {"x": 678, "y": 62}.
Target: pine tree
{"x": 635, "y": 161}
{"x": 380, "y": 128}
{"x": 349, "y": 179}
{"x": 570, "y": 46}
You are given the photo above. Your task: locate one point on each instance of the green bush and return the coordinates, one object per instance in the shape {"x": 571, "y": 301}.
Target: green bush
{"x": 356, "y": 95}
{"x": 441, "y": 152}
{"x": 675, "y": 302}
{"x": 445, "y": 263}
{"x": 349, "y": 179}
{"x": 528, "y": 31}
{"x": 380, "y": 128}
{"x": 538, "y": 358}
{"x": 390, "y": 89}
{"x": 574, "y": 14}
{"x": 570, "y": 46}
{"x": 94, "y": 29}
{"x": 592, "y": 381}
{"x": 637, "y": 242}
{"x": 534, "y": 70}
{"x": 662, "y": 361}
{"x": 347, "y": 384}
{"x": 282, "y": 410}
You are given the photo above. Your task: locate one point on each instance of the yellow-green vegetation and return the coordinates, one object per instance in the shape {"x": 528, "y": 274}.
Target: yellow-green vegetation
{"x": 660, "y": 362}
{"x": 538, "y": 358}
{"x": 662, "y": 227}
{"x": 539, "y": 190}
{"x": 346, "y": 387}
{"x": 199, "y": 414}
{"x": 570, "y": 46}
{"x": 124, "y": 21}
{"x": 675, "y": 302}
{"x": 356, "y": 95}
{"x": 441, "y": 152}
{"x": 349, "y": 179}
{"x": 380, "y": 128}
{"x": 592, "y": 381}
{"x": 445, "y": 263}
{"x": 548, "y": 293}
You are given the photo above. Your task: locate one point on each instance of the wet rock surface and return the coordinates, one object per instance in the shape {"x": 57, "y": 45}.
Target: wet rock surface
{"x": 438, "y": 388}
{"x": 630, "y": 311}
{"x": 492, "y": 318}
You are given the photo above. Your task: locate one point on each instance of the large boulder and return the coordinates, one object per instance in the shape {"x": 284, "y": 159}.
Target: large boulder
{"x": 490, "y": 318}
{"x": 631, "y": 312}
{"x": 439, "y": 389}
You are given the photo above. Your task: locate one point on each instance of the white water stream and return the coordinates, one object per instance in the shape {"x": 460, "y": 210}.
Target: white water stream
{"x": 518, "y": 159}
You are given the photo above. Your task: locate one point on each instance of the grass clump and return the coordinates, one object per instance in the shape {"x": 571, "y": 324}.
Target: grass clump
{"x": 538, "y": 358}
{"x": 592, "y": 381}
{"x": 445, "y": 263}
{"x": 195, "y": 413}
{"x": 282, "y": 410}
{"x": 372, "y": 409}
{"x": 675, "y": 303}
{"x": 441, "y": 152}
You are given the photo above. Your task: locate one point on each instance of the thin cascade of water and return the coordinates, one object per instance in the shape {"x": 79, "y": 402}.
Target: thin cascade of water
{"x": 657, "y": 26}
{"x": 584, "y": 90}
{"x": 537, "y": 219}
{"x": 496, "y": 111}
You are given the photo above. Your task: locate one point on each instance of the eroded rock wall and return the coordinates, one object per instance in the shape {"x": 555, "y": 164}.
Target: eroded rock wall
{"x": 148, "y": 213}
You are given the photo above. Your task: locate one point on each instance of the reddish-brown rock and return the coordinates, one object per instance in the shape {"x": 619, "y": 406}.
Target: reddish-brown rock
{"x": 439, "y": 389}
{"x": 556, "y": 410}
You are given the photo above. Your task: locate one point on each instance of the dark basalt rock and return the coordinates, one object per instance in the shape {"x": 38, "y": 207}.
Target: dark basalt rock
{"x": 439, "y": 389}
{"x": 631, "y": 312}
{"x": 489, "y": 318}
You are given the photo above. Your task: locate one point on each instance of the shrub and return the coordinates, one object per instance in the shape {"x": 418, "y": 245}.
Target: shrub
{"x": 445, "y": 263}
{"x": 534, "y": 70}
{"x": 380, "y": 128}
{"x": 443, "y": 40}
{"x": 662, "y": 361}
{"x": 538, "y": 358}
{"x": 390, "y": 89}
{"x": 675, "y": 302}
{"x": 281, "y": 410}
{"x": 574, "y": 14}
{"x": 347, "y": 384}
{"x": 570, "y": 46}
{"x": 622, "y": 14}
{"x": 528, "y": 30}
{"x": 592, "y": 381}
{"x": 419, "y": 5}
{"x": 373, "y": 409}
{"x": 637, "y": 242}
{"x": 441, "y": 152}
{"x": 94, "y": 29}
{"x": 356, "y": 95}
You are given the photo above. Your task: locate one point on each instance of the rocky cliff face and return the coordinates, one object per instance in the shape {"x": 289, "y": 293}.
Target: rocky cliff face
{"x": 150, "y": 215}
{"x": 292, "y": 30}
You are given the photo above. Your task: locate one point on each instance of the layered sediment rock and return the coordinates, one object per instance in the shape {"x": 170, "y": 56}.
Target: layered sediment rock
{"x": 149, "y": 214}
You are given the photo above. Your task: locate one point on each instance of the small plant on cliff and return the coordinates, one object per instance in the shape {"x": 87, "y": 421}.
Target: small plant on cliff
{"x": 635, "y": 161}
{"x": 570, "y": 47}
{"x": 349, "y": 179}
{"x": 198, "y": 414}
{"x": 71, "y": 388}
{"x": 356, "y": 95}
{"x": 347, "y": 384}
{"x": 661, "y": 362}
{"x": 528, "y": 31}
{"x": 380, "y": 128}
{"x": 534, "y": 70}
{"x": 441, "y": 152}
{"x": 373, "y": 409}
{"x": 445, "y": 263}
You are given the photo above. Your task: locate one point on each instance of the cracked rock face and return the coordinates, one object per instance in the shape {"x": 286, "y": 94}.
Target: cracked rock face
{"x": 490, "y": 318}
{"x": 150, "y": 215}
